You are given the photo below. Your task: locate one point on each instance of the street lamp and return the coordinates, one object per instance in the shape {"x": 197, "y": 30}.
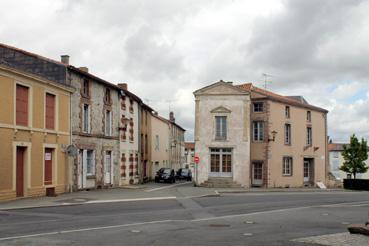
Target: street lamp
{"x": 273, "y": 136}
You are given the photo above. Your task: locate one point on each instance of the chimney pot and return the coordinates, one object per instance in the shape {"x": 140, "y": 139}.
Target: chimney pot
{"x": 123, "y": 86}
{"x": 84, "y": 69}
{"x": 64, "y": 59}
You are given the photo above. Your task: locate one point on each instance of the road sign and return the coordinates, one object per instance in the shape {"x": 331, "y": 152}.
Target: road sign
{"x": 197, "y": 159}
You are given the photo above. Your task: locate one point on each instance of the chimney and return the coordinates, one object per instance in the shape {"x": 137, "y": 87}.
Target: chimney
{"x": 64, "y": 59}
{"x": 123, "y": 86}
{"x": 84, "y": 69}
{"x": 171, "y": 117}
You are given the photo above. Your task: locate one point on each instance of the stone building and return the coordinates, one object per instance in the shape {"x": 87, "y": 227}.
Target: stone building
{"x": 34, "y": 125}
{"x": 189, "y": 155}
{"x": 222, "y": 135}
{"x": 176, "y": 141}
{"x": 287, "y": 146}
{"x": 144, "y": 140}
{"x": 95, "y": 122}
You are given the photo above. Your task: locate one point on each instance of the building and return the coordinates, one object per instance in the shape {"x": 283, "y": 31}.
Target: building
{"x": 176, "y": 140}
{"x": 160, "y": 129}
{"x": 336, "y": 161}
{"x": 287, "y": 146}
{"x": 222, "y": 133}
{"x": 34, "y": 128}
{"x": 95, "y": 130}
{"x": 129, "y": 136}
{"x": 144, "y": 141}
{"x": 190, "y": 155}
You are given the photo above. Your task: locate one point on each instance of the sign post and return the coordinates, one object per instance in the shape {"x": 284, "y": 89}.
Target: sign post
{"x": 197, "y": 160}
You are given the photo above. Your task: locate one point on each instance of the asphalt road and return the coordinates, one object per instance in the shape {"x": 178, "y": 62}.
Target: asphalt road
{"x": 272, "y": 218}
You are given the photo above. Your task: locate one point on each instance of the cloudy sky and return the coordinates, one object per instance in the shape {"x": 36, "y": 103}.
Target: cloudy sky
{"x": 165, "y": 50}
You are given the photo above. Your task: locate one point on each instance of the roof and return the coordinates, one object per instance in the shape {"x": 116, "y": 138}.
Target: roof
{"x": 167, "y": 121}
{"x": 335, "y": 146}
{"x": 298, "y": 101}
{"x": 189, "y": 145}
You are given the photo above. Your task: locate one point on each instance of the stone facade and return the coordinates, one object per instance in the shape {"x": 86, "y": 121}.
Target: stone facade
{"x": 225, "y": 100}
{"x": 176, "y": 140}
{"x": 97, "y": 163}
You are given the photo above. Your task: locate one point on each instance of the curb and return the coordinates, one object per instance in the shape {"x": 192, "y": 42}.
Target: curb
{"x": 270, "y": 191}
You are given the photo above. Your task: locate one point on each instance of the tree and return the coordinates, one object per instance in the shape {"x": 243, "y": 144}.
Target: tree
{"x": 354, "y": 155}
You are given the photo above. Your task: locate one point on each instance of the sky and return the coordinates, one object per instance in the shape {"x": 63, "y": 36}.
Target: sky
{"x": 167, "y": 49}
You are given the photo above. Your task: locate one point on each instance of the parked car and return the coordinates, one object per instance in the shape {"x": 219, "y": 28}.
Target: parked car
{"x": 166, "y": 175}
{"x": 184, "y": 173}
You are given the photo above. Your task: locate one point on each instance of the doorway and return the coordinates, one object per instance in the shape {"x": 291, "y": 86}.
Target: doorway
{"x": 20, "y": 171}
{"x": 108, "y": 168}
{"x": 308, "y": 171}
{"x": 220, "y": 162}
{"x": 48, "y": 168}
{"x": 257, "y": 174}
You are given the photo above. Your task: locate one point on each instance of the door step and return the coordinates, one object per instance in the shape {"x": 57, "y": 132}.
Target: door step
{"x": 220, "y": 183}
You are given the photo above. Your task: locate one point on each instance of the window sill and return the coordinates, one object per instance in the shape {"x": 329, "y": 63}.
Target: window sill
{"x": 286, "y": 175}
{"x": 90, "y": 176}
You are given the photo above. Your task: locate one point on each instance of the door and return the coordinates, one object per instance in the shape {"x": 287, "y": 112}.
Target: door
{"x": 257, "y": 174}
{"x": 306, "y": 171}
{"x": 48, "y": 172}
{"x": 220, "y": 163}
{"x": 20, "y": 172}
{"x": 108, "y": 168}
{"x": 82, "y": 169}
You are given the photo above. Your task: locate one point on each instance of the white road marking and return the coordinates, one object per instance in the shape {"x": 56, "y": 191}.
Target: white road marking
{"x": 350, "y": 204}
{"x": 167, "y": 187}
{"x": 132, "y": 199}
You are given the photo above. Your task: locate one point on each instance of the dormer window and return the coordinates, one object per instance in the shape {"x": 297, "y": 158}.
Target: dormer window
{"x": 258, "y": 107}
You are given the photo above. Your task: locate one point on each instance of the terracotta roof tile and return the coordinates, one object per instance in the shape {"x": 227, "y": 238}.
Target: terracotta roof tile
{"x": 189, "y": 145}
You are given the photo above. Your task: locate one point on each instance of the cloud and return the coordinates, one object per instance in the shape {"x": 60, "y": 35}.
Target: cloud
{"x": 167, "y": 49}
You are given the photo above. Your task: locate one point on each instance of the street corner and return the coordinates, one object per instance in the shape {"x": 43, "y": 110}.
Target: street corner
{"x": 337, "y": 239}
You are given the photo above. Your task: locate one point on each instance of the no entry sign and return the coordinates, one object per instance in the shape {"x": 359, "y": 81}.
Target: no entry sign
{"x": 197, "y": 159}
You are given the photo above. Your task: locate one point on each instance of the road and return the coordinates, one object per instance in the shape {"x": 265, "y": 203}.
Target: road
{"x": 260, "y": 218}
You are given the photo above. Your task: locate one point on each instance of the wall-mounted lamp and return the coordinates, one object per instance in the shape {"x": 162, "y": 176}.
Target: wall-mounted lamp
{"x": 273, "y": 136}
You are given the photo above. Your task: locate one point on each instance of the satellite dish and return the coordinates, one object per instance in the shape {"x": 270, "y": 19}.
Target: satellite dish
{"x": 72, "y": 150}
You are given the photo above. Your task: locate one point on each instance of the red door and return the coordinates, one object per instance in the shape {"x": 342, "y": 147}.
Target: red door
{"x": 20, "y": 172}
{"x": 48, "y": 175}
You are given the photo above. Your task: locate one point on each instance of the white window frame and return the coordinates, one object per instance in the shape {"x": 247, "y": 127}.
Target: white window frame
{"x": 259, "y": 127}
{"x": 86, "y": 121}
{"x": 222, "y": 133}
{"x": 309, "y": 136}
{"x": 287, "y": 166}
{"x": 157, "y": 142}
{"x": 287, "y": 112}
{"x": 89, "y": 171}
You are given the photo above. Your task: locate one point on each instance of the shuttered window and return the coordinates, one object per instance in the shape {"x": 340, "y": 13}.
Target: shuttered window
{"x": 50, "y": 111}
{"x": 22, "y": 105}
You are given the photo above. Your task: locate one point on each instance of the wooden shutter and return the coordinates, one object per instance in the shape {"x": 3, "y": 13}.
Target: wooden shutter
{"x": 50, "y": 111}
{"x": 22, "y": 105}
{"x": 48, "y": 170}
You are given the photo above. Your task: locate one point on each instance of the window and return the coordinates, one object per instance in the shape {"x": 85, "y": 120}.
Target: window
{"x": 157, "y": 142}
{"x": 108, "y": 123}
{"x": 221, "y": 160}
{"x": 22, "y": 105}
{"x": 287, "y": 166}
{"x": 335, "y": 154}
{"x": 86, "y": 88}
{"x": 309, "y": 136}
{"x": 107, "y": 96}
{"x": 86, "y": 118}
{"x": 50, "y": 111}
{"x": 287, "y": 112}
{"x": 258, "y": 130}
{"x": 258, "y": 107}
{"x": 220, "y": 127}
{"x": 308, "y": 116}
{"x": 90, "y": 162}
{"x": 287, "y": 134}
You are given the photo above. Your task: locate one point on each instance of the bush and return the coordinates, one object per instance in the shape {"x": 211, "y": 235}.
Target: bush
{"x": 356, "y": 184}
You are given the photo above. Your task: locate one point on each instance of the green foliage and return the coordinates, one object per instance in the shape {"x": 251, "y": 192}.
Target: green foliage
{"x": 354, "y": 155}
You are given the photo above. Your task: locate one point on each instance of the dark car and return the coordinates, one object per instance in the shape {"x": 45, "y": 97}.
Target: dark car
{"x": 166, "y": 175}
{"x": 184, "y": 173}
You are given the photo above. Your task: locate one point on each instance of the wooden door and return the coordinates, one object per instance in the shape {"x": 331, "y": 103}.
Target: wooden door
{"x": 48, "y": 169}
{"x": 20, "y": 172}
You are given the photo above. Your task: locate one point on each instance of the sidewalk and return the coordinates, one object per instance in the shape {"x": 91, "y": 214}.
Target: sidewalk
{"x": 149, "y": 191}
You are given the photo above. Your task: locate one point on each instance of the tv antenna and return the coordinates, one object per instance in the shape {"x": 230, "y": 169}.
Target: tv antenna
{"x": 266, "y": 80}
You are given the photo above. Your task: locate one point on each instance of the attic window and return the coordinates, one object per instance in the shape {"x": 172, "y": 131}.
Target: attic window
{"x": 86, "y": 88}
{"x": 258, "y": 107}
{"x": 107, "y": 98}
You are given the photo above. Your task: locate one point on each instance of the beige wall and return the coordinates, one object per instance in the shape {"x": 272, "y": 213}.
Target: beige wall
{"x": 34, "y": 137}
{"x": 297, "y": 149}
{"x": 160, "y": 155}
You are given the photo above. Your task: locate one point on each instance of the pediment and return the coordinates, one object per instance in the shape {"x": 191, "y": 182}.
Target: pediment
{"x": 221, "y": 88}
{"x": 220, "y": 109}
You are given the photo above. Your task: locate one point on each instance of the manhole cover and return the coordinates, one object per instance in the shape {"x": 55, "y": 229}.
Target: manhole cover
{"x": 219, "y": 225}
